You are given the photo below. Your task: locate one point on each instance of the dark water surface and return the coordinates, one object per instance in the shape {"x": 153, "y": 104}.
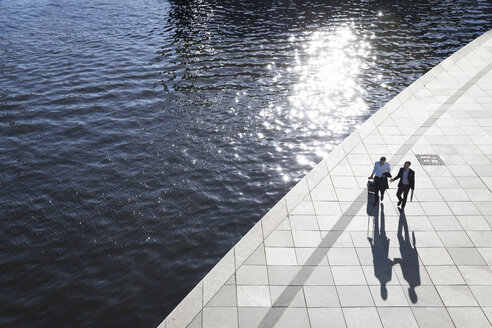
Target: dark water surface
{"x": 139, "y": 140}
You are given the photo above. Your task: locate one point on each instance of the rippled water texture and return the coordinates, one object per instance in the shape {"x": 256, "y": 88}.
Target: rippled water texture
{"x": 139, "y": 140}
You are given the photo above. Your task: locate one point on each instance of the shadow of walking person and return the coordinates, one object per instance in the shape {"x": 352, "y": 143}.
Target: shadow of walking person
{"x": 383, "y": 266}
{"x": 409, "y": 260}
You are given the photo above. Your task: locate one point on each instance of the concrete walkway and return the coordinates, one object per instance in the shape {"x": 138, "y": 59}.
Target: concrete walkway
{"x": 325, "y": 257}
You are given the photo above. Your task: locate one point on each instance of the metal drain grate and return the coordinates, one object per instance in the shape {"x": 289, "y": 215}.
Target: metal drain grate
{"x": 429, "y": 159}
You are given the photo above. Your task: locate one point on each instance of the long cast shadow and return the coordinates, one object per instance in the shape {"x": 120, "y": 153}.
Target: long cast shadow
{"x": 383, "y": 266}
{"x": 409, "y": 260}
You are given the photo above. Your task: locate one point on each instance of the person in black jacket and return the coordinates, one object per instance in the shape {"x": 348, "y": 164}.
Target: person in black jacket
{"x": 407, "y": 182}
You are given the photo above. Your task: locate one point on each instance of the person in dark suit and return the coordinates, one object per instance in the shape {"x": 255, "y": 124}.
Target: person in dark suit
{"x": 407, "y": 182}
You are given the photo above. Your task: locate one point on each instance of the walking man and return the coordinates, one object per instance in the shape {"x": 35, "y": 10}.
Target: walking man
{"x": 380, "y": 173}
{"x": 406, "y": 183}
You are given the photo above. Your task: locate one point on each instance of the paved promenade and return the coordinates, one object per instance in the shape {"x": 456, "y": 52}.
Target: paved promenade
{"x": 324, "y": 256}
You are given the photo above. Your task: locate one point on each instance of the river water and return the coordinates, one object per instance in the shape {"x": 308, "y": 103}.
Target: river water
{"x": 140, "y": 140}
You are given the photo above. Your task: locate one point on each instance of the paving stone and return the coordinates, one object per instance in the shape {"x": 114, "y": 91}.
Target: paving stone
{"x": 486, "y": 254}
{"x": 431, "y": 317}
{"x": 279, "y": 238}
{"x": 274, "y": 317}
{"x": 397, "y": 317}
{"x": 435, "y": 256}
{"x": 321, "y": 296}
{"x": 311, "y": 256}
{"x": 287, "y": 296}
{"x": 226, "y": 296}
{"x": 280, "y": 256}
{"x": 466, "y": 256}
{"x": 348, "y": 275}
{"x": 481, "y": 238}
{"x": 304, "y": 222}
{"x": 252, "y": 275}
{"x": 220, "y": 317}
{"x": 483, "y": 295}
{"x": 476, "y": 275}
{"x": 306, "y": 238}
{"x": 455, "y": 239}
{"x": 366, "y": 317}
{"x": 258, "y": 257}
{"x": 343, "y": 256}
{"x": 466, "y": 317}
{"x": 445, "y": 275}
{"x": 446, "y": 223}
{"x": 252, "y": 296}
{"x": 457, "y": 296}
{"x": 351, "y": 296}
{"x": 319, "y": 317}
{"x": 463, "y": 208}
{"x": 476, "y": 222}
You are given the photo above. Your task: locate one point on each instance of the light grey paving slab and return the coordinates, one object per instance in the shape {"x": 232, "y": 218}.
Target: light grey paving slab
{"x": 481, "y": 238}
{"x": 479, "y": 195}
{"x": 257, "y": 257}
{"x": 488, "y": 313}
{"x": 280, "y": 256}
{"x": 252, "y": 275}
{"x": 472, "y": 182}
{"x": 476, "y": 275}
{"x": 319, "y": 317}
{"x": 446, "y": 223}
{"x": 343, "y": 256}
{"x": 279, "y": 238}
{"x": 476, "y": 222}
{"x": 455, "y": 239}
{"x": 287, "y": 296}
{"x": 483, "y": 295}
{"x": 466, "y": 317}
{"x": 197, "y": 322}
{"x": 456, "y": 296}
{"x": 321, "y": 296}
{"x": 463, "y": 208}
{"x": 305, "y": 207}
{"x": 220, "y": 317}
{"x": 432, "y": 317}
{"x": 226, "y": 296}
{"x": 311, "y": 256}
{"x": 486, "y": 254}
{"x": 297, "y": 275}
{"x": 274, "y": 317}
{"x": 304, "y": 238}
{"x": 445, "y": 275}
{"x": 397, "y": 317}
{"x": 466, "y": 256}
{"x": 484, "y": 208}
{"x": 366, "y": 317}
{"x": 253, "y": 296}
{"x": 304, "y": 222}
{"x": 354, "y": 296}
{"x": 348, "y": 275}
